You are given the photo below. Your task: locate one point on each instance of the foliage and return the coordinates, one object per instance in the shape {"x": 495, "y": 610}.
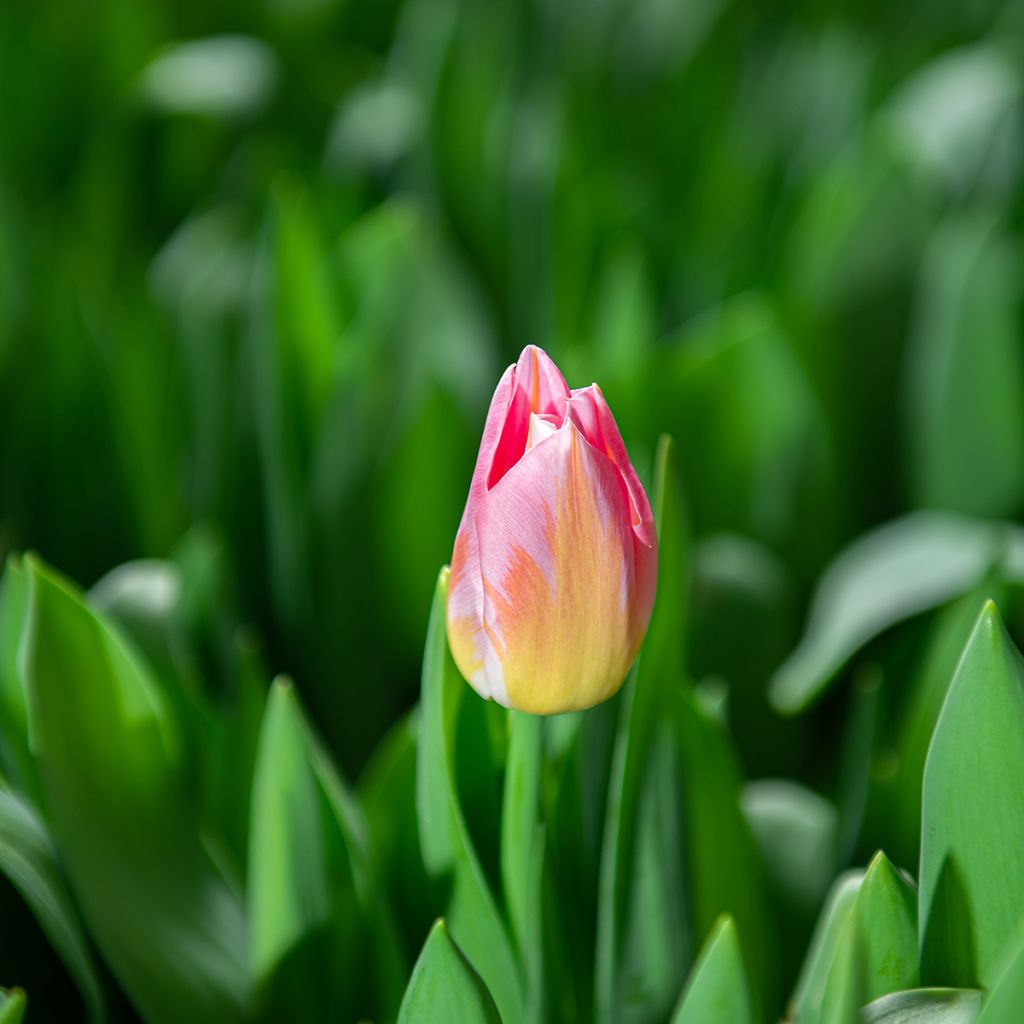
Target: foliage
{"x": 260, "y": 267}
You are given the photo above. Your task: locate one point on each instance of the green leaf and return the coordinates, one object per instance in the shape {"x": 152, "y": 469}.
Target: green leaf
{"x": 925, "y": 1006}
{"x": 1003, "y": 1004}
{"x": 12, "y": 1006}
{"x": 110, "y": 764}
{"x": 642, "y": 949}
{"x": 472, "y": 917}
{"x": 724, "y": 872}
{"x": 972, "y": 875}
{"x": 805, "y": 1005}
{"x": 936, "y": 667}
{"x": 15, "y": 755}
{"x": 445, "y": 988}
{"x": 882, "y": 924}
{"x": 899, "y": 570}
{"x": 965, "y": 373}
{"x": 844, "y": 993}
{"x": 319, "y": 940}
{"x": 28, "y": 860}
{"x": 718, "y": 991}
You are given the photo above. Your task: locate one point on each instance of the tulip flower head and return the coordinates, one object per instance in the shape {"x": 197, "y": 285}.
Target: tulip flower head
{"x": 555, "y": 562}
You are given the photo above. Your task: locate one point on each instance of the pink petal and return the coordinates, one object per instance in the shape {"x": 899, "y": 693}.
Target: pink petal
{"x": 562, "y": 616}
{"x": 588, "y": 409}
{"x": 538, "y": 387}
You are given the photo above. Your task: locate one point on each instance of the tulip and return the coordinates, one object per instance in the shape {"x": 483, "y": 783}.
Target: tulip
{"x": 555, "y": 562}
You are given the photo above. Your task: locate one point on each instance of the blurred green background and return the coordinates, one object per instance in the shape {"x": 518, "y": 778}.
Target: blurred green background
{"x": 261, "y": 265}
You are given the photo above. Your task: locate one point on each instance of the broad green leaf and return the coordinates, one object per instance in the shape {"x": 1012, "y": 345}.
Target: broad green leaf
{"x": 12, "y": 1006}
{"x": 805, "y": 1005}
{"x": 948, "y": 636}
{"x": 718, "y": 991}
{"x": 965, "y": 375}
{"x": 320, "y": 942}
{"x": 110, "y": 764}
{"x": 29, "y": 861}
{"x": 642, "y": 950}
{"x": 972, "y": 875}
{"x": 844, "y": 994}
{"x": 723, "y": 869}
{"x": 897, "y": 571}
{"x": 472, "y": 916}
{"x": 925, "y": 1006}
{"x": 445, "y": 988}
{"x": 1004, "y": 1002}
{"x": 15, "y": 755}
{"x": 882, "y": 925}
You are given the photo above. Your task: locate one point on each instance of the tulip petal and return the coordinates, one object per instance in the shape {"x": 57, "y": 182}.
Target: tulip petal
{"x": 588, "y": 409}
{"x": 558, "y": 560}
{"x": 537, "y": 387}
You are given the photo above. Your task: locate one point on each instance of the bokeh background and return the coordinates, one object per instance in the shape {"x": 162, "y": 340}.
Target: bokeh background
{"x": 261, "y": 265}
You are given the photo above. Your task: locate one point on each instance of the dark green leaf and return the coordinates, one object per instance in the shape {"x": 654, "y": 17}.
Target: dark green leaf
{"x": 28, "y": 860}
{"x": 110, "y": 763}
{"x": 15, "y": 755}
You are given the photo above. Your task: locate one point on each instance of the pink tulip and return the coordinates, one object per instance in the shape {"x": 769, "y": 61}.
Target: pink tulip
{"x": 555, "y": 562}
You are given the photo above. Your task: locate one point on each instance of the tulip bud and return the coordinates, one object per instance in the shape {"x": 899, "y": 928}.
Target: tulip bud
{"x": 555, "y": 562}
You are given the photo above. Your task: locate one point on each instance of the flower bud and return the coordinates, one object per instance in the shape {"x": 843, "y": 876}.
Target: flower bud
{"x": 555, "y": 562}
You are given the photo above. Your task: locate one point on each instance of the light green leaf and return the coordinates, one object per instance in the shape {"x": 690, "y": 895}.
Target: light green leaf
{"x": 925, "y": 1006}
{"x": 805, "y": 1005}
{"x": 445, "y": 988}
{"x": 844, "y": 993}
{"x": 110, "y": 764}
{"x": 473, "y": 917}
{"x": 899, "y": 570}
{"x": 642, "y": 949}
{"x": 319, "y": 940}
{"x": 12, "y": 1006}
{"x": 28, "y": 860}
{"x": 972, "y": 876}
{"x": 882, "y": 924}
{"x": 1003, "y": 1003}
{"x": 718, "y": 991}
